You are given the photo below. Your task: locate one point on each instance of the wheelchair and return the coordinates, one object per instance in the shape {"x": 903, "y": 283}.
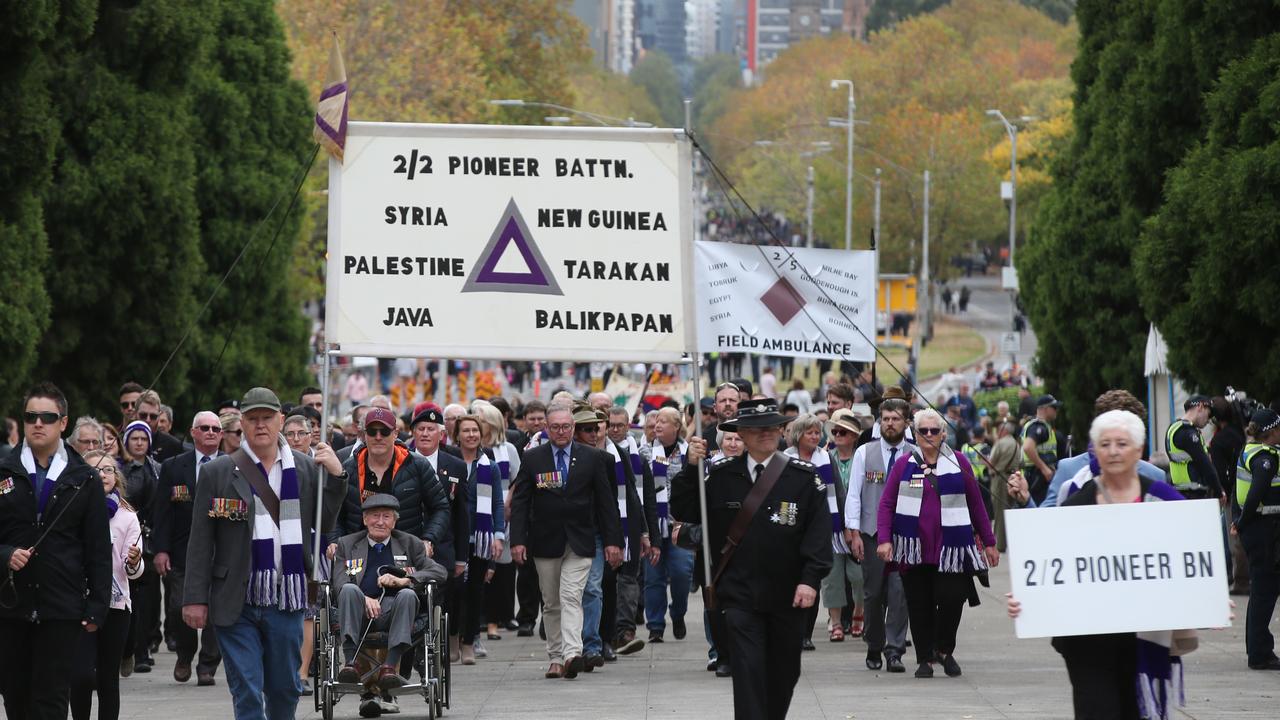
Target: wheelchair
{"x": 428, "y": 658}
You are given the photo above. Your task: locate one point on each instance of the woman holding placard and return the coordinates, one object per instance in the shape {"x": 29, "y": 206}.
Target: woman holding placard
{"x": 929, "y": 514}
{"x": 1119, "y": 675}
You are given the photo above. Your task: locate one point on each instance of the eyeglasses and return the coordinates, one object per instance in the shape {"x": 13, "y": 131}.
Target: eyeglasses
{"x": 589, "y": 429}
{"x": 127, "y": 405}
{"x": 378, "y": 431}
{"x": 560, "y": 428}
{"x": 48, "y": 418}
{"x": 297, "y": 434}
{"x": 929, "y": 431}
{"x": 108, "y": 470}
{"x": 208, "y": 428}
{"x": 148, "y": 416}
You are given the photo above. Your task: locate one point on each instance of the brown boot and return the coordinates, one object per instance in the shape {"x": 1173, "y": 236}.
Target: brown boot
{"x": 468, "y": 654}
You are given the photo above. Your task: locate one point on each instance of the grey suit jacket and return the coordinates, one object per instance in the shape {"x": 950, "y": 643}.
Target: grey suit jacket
{"x": 218, "y": 553}
{"x": 406, "y": 551}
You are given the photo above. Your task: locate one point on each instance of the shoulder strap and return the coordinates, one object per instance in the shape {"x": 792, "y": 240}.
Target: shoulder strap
{"x": 251, "y": 472}
{"x": 759, "y": 491}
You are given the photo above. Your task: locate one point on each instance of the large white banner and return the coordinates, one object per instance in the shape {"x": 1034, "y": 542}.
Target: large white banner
{"x": 799, "y": 302}
{"x": 1118, "y": 568}
{"x": 502, "y": 242}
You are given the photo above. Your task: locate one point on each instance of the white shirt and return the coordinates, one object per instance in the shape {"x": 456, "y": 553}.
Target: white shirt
{"x": 752, "y": 465}
{"x": 858, "y": 473}
{"x": 433, "y": 458}
{"x": 275, "y": 475}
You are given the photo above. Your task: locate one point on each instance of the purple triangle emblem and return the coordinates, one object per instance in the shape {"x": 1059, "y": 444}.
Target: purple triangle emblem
{"x": 537, "y": 279}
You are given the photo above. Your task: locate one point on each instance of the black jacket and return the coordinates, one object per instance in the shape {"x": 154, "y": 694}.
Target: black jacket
{"x": 141, "y": 480}
{"x": 69, "y": 576}
{"x": 171, "y": 507}
{"x": 424, "y": 506}
{"x": 452, "y": 473}
{"x": 776, "y": 554}
{"x": 546, "y": 519}
{"x": 647, "y": 512}
{"x": 165, "y": 446}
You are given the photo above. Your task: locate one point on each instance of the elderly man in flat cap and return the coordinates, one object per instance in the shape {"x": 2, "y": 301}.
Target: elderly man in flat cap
{"x": 376, "y": 574}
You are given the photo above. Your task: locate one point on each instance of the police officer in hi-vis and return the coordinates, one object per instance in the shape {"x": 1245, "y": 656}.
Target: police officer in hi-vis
{"x": 1190, "y": 469}
{"x": 770, "y": 536}
{"x": 1258, "y": 523}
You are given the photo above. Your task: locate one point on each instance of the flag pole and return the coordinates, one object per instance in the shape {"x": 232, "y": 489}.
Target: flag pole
{"x": 694, "y": 359}
{"x": 324, "y": 474}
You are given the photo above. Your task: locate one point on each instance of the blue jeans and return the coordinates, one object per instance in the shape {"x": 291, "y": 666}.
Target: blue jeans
{"x": 674, "y": 568}
{"x": 261, "y": 653}
{"x": 593, "y": 604}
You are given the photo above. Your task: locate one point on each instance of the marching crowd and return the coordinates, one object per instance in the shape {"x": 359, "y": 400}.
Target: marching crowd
{"x": 578, "y": 522}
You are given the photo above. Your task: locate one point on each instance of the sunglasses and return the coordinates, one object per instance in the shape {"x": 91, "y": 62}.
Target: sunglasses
{"x": 127, "y": 405}
{"x": 589, "y": 429}
{"x": 237, "y": 433}
{"x": 208, "y": 428}
{"x": 929, "y": 431}
{"x": 48, "y": 418}
{"x": 840, "y": 433}
{"x": 378, "y": 431}
{"x": 148, "y": 416}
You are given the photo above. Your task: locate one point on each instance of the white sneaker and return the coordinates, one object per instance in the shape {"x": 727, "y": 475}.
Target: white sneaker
{"x": 480, "y": 650}
{"x": 389, "y": 707}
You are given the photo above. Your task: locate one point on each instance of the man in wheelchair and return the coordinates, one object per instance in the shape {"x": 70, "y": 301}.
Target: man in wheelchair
{"x": 377, "y": 575}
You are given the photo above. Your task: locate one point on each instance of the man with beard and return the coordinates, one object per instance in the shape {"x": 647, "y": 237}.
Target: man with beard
{"x": 885, "y": 629}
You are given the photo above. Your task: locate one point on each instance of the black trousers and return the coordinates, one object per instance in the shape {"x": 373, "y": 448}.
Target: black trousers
{"x": 719, "y": 633}
{"x": 35, "y": 667}
{"x": 1259, "y": 539}
{"x": 529, "y": 594}
{"x": 609, "y": 605}
{"x": 97, "y": 666}
{"x": 144, "y": 623}
{"x": 471, "y": 600}
{"x": 935, "y": 601}
{"x": 187, "y": 638}
{"x": 1102, "y": 669}
{"x": 765, "y": 658}
{"x": 500, "y": 596}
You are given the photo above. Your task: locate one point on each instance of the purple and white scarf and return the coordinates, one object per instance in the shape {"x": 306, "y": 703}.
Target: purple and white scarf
{"x": 620, "y": 472}
{"x": 488, "y": 481}
{"x": 959, "y": 551}
{"x": 278, "y": 576}
{"x": 821, "y": 462}
{"x": 662, "y": 475}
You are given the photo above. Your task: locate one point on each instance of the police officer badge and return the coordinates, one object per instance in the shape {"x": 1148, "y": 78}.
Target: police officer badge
{"x": 787, "y": 514}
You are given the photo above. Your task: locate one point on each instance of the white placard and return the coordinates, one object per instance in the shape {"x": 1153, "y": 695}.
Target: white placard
{"x": 504, "y": 242}
{"x": 1011, "y": 342}
{"x": 1118, "y": 568}
{"x": 798, "y": 302}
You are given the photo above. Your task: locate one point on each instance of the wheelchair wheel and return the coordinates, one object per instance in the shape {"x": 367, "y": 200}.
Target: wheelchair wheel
{"x": 322, "y": 659}
{"x": 432, "y": 709}
{"x": 439, "y": 657}
{"x": 446, "y": 674}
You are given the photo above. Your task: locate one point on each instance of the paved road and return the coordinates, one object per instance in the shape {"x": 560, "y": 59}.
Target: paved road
{"x": 1003, "y": 678}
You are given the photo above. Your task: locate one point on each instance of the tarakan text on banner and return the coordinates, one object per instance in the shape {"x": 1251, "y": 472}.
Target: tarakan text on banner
{"x": 798, "y": 302}
{"x": 1118, "y": 568}
{"x": 501, "y": 242}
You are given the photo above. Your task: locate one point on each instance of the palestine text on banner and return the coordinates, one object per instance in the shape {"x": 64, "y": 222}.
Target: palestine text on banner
{"x": 798, "y": 302}
{"x": 500, "y": 242}
{"x": 1118, "y": 568}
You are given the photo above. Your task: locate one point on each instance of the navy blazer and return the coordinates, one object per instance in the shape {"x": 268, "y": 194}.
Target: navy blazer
{"x": 547, "y": 519}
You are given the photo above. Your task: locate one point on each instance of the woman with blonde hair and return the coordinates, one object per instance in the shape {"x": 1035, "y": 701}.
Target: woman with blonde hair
{"x": 500, "y": 596}
{"x": 489, "y": 530}
{"x": 675, "y": 564}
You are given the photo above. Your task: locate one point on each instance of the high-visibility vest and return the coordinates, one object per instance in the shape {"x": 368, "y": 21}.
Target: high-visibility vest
{"x": 1047, "y": 450}
{"x": 972, "y": 452}
{"x": 1179, "y": 460}
{"x": 1244, "y": 475}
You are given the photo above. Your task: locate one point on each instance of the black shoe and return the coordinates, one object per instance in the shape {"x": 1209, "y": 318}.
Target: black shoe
{"x": 628, "y": 645}
{"x": 949, "y": 665}
{"x": 205, "y": 680}
{"x": 807, "y": 644}
{"x": 511, "y": 625}
{"x": 711, "y": 665}
{"x": 524, "y": 631}
{"x": 722, "y": 670}
{"x": 1272, "y": 664}
{"x": 591, "y": 661}
{"x": 894, "y": 664}
{"x": 608, "y": 654}
{"x": 873, "y": 661}
{"x": 573, "y": 667}
{"x": 141, "y": 667}
{"x": 924, "y": 671}
{"x": 655, "y": 637}
{"x": 370, "y": 708}
{"x": 171, "y": 644}
{"x": 678, "y": 629}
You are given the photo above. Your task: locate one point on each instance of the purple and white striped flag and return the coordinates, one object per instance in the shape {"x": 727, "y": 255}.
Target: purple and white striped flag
{"x": 331, "y": 114}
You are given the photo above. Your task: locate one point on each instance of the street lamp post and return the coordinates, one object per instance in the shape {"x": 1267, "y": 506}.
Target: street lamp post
{"x": 1012, "y": 130}
{"x": 808, "y": 212}
{"x": 848, "y": 183}
{"x": 875, "y": 245}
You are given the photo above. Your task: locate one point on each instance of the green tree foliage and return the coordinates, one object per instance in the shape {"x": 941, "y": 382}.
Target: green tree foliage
{"x": 657, "y": 76}
{"x": 31, "y": 37}
{"x": 714, "y": 80}
{"x": 599, "y": 91}
{"x": 121, "y": 214}
{"x": 1206, "y": 263}
{"x": 253, "y": 131}
{"x": 1141, "y": 74}
{"x": 884, "y": 14}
